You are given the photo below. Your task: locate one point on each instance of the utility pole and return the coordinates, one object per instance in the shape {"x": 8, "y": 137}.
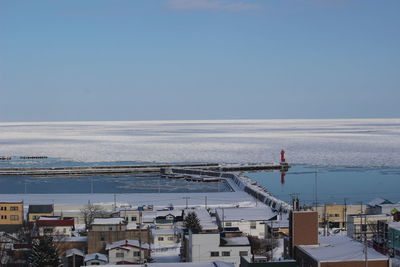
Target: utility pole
{"x": 316, "y": 189}
{"x": 186, "y": 198}
{"x": 205, "y": 202}
{"x": 140, "y": 237}
{"x": 345, "y": 214}
{"x": 365, "y": 241}
{"x": 115, "y": 202}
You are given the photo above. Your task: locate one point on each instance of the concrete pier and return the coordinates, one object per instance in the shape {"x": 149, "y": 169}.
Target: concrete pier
{"x": 90, "y": 170}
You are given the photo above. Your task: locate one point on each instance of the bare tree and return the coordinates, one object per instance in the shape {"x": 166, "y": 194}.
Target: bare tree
{"x": 90, "y": 211}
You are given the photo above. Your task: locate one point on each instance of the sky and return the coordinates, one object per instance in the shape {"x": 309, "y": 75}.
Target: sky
{"x": 74, "y": 60}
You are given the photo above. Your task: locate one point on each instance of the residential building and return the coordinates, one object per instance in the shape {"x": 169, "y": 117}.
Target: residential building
{"x": 335, "y": 215}
{"x": 95, "y": 259}
{"x": 11, "y": 213}
{"x": 211, "y": 246}
{"x": 128, "y": 252}
{"x": 338, "y": 251}
{"x": 74, "y": 258}
{"x": 365, "y": 224}
{"x": 37, "y": 211}
{"x": 54, "y": 226}
{"x": 250, "y": 262}
{"x": 251, "y": 221}
{"x": 165, "y": 237}
{"x": 105, "y": 231}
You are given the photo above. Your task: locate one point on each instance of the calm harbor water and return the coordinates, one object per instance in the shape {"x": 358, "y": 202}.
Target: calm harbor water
{"x": 332, "y": 184}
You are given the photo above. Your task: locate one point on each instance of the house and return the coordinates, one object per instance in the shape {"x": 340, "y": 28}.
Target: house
{"x": 335, "y": 215}
{"x": 37, "y": 211}
{"x": 128, "y": 252}
{"x": 95, "y": 259}
{"x": 360, "y": 224}
{"x": 211, "y": 246}
{"x": 277, "y": 229}
{"x": 74, "y": 258}
{"x": 251, "y": 221}
{"x": 338, "y": 251}
{"x": 107, "y": 230}
{"x": 54, "y": 226}
{"x": 207, "y": 222}
{"x": 168, "y": 218}
{"x": 254, "y": 262}
{"x": 165, "y": 237}
{"x": 11, "y": 216}
{"x": 65, "y": 244}
{"x": 394, "y": 238}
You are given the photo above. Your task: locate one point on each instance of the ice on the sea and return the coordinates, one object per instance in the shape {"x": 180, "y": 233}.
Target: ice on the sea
{"x": 344, "y": 142}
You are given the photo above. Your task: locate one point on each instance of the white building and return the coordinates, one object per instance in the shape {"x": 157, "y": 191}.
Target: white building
{"x": 95, "y": 259}
{"x": 54, "y": 226}
{"x": 250, "y": 221}
{"x": 208, "y": 247}
{"x": 128, "y": 252}
{"x": 165, "y": 237}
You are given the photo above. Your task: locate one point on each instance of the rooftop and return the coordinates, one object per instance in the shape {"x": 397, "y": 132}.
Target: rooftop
{"x": 340, "y": 248}
{"x": 96, "y": 256}
{"x": 41, "y": 208}
{"x": 246, "y": 214}
{"x": 107, "y": 221}
{"x": 127, "y": 243}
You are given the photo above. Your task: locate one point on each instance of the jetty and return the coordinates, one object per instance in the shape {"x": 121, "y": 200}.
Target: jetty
{"x": 160, "y": 168}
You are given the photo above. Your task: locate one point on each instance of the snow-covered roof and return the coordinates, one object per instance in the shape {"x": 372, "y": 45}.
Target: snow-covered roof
{"x": 236, "y": 241}
{"x": 378, "y": 201}
{"x": 106, "y": 221}
{"x": 340, "y": 248}
{"x": 96, "y": 256}
{"x": 74, "y": 251}
{"x": 206, "y": 221}
{"x": 246, "y": 214}
{"x": 181, "y": 264}
{"x": 166, "y": 212}
{"x": 71, "y": 239}
{"x": 127, "y": 243}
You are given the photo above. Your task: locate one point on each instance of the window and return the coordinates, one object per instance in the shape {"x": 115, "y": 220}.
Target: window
{"x": 214, "y": 254}
{"x": 136, "y": 254}
{"x": 253, "y": 225}
{"x": 64, "y": 230}
{"x": 5, "y": 217}
{"x": 1, "y": 208}
{"x": 243, "y": 253}
{"x": 228, "y": 224}
{"x": 119, "y": 254}
{"x": 160, "y": 238}
{"x": 14, "y": 217}
{"x": 95, "y": 263}
{"x": 226, "y": 253}
{"x": 133, "y": 218}
{"x": 110, "y": 228}
{"x": 14, "y": 208}
{"x": 102, "y": 238}
{"x": 170, "y": 238}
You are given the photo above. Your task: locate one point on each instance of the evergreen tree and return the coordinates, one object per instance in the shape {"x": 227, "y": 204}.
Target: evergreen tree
{"x": 44, "y": 253}
{"x": 192, "y": 222}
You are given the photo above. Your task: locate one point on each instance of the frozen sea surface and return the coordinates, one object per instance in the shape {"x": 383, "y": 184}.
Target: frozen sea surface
{"x": 342, "y": 142}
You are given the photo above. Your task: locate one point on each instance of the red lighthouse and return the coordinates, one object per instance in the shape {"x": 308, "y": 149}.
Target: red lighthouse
{"x": 283, "y": 160}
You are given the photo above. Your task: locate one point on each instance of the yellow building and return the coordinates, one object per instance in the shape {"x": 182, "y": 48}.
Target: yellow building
{"x": 37, "y": 211}
{"x": 335, "y": 215}
{"x": 11, "y": 213}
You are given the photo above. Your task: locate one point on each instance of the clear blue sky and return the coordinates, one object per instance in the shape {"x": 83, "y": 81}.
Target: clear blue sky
{"x": 74, "y": 60}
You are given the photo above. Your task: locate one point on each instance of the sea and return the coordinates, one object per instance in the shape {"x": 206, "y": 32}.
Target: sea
{"x": 333, "y": 161}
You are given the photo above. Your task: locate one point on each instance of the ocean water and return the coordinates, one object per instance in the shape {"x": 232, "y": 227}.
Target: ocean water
{"x": 356, "y": 159}
{"x": 329, "y": 185}
{"x": 344, "y": 142}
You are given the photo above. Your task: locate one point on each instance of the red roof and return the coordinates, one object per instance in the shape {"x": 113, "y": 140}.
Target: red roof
{"x": 55, "y": 223}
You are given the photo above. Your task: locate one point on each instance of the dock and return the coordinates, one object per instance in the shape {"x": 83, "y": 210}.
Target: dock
{"x": 161, "y": 168}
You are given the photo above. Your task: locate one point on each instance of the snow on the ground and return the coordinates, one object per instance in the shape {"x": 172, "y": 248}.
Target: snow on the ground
{"x": 347, "y": 142}
{"x": 159, "y": 200}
